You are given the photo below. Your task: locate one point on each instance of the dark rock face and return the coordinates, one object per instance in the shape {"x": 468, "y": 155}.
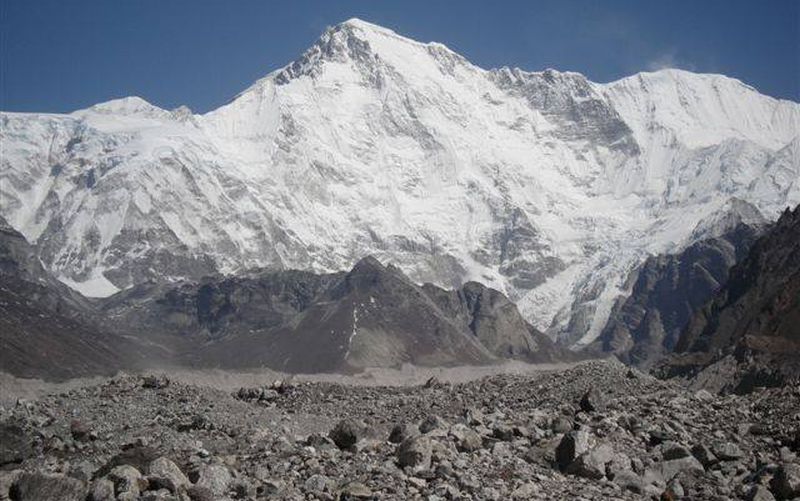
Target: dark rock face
{"x": 373, "y": 316}
{"x": 580, "y": 113}
{"x": 48, "y": 330}
{"x": 749, "y": 331}
{"x": 667, "y": 291}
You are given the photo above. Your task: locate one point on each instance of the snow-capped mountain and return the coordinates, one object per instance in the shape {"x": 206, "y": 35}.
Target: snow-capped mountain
{"x": 544, "y": 185}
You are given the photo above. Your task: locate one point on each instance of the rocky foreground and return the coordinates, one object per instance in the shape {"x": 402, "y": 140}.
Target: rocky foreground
{"x": 596, "y": 431}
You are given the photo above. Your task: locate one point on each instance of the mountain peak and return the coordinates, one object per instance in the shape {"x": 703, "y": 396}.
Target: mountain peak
{"x": 358, "y": 23}
{"x": 130, "y": 105}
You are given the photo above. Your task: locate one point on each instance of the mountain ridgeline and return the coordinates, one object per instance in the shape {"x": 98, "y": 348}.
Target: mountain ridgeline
{"x": 292, "y": 321}
{"x": 372, "y": 316}
{"x": 545, "y": 186}
{"x": 533, "y": 216}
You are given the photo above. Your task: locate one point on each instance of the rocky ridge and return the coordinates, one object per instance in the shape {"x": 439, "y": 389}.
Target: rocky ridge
{"x": 294, "y": 321}
{"x": 747, "y": 335}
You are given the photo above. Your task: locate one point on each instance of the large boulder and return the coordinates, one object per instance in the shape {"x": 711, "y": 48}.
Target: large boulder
{"x": 415, "y": 453}
{"x": 592, "y": 464}
{"x": 667, "y": 470}
{"x": 15, "y": 445}
{"x": 592, "y": 401}
{"x": 216, "y": 478}
{"x": 466, "y": 439}
{"x": 46, "y": 487}
{"x": 432, "y": 422}
{"x": 786, "y": 483}
{"x": 164, "y": 474}
{"x": 572, "y": 445}
{"x": 346, "y": 433}
{"x": 402, "y": 432}
{"x": 127, "y": 480}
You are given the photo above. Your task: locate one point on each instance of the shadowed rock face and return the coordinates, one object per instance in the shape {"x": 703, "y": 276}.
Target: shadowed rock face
{"x": 666, "y": 292}
{"x": 46, "y": 329}
{"x": 752, "y": 326}
{"x": 302, "y": 322}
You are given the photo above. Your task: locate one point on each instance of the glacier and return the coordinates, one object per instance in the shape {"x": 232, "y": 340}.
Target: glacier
{"x": 544, "y": 185}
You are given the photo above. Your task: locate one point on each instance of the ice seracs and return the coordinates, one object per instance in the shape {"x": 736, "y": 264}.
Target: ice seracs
{"x": 545, "y": 185}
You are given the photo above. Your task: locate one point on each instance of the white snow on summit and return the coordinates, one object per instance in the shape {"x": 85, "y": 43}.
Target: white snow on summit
{"x": 544, "y": 185}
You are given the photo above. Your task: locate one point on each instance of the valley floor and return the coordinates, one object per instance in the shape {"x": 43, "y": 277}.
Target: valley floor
{"x": 594, "y": 430}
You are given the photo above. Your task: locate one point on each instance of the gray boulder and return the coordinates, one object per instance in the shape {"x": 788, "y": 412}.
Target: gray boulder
{"x": 786, "y": 483}
{"x": 216, "y": 478}
{"x": 402, "y": 432}
{"x": 415, "y": 452}
{"x": 592, "y": 464}
{"x": 466, "y": 439}
{"x": 164, "y": 474}
{"x": 346, "y": 433}
{"x": 127, "y": 480}
{"x": 572, "y": 445}
{"x": 592, "y": 401}
{"x": 46, "y": 487}
{"x": 432, "y": 422}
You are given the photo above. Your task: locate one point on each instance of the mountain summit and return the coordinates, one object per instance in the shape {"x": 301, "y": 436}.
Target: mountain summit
{"x": 543, "y": 185}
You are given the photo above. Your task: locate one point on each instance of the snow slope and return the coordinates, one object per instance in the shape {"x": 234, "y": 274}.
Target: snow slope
{"x": 544, "y": 185}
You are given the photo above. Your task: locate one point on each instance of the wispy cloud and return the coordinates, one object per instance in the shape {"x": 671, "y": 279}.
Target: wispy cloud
{"x": 668, "y": 60}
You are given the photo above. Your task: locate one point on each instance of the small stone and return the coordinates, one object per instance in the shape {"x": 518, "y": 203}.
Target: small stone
{"x": 525, "y": 491}
{"x": 79, "y": 431}
{"x": 503, "y": 432}
{"x": 759, "y": 493}
{"x": 270, "y": 487}
{"x": 727, "y": 451}
{"x": 316, "y": 483}
{"x": 320, "y": 442}
{"x": 561, "y": 424}
{"x": 155, "y": 382}
{"x": 703, "y": 395}
{"x": 660, "y": 436}
{"x": 432, "y": 422}
{"x": 355, "y": 490}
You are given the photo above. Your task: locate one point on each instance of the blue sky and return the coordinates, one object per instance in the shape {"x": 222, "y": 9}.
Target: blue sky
{"x": 58, "y": 55}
